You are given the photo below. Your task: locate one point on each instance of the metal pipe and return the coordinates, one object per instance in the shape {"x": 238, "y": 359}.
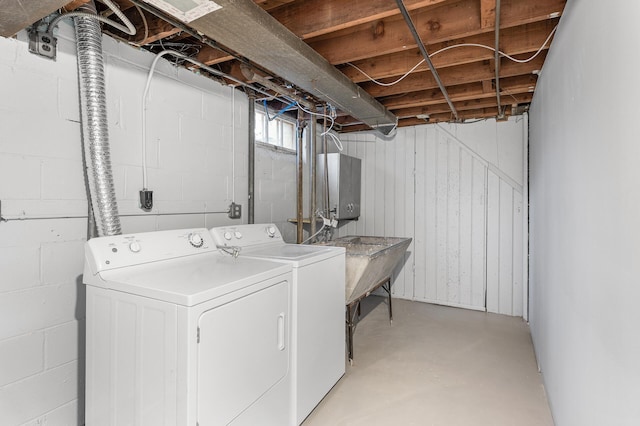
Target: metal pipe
{"x": 23, "y": 218}
{"x": 325, "y": 147}
{"x": 252, "y": 155}
{"x": 497, "y": 59}
{"x": 93, "y": 111}
{"x": 299, "y": 179}
{"x": 425, "y": 54}
{"x": 127, "y": 28}
{"x": 312, "y": 175}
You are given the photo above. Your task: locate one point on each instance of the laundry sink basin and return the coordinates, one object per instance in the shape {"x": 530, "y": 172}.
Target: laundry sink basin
{"x": 369, "y": 262}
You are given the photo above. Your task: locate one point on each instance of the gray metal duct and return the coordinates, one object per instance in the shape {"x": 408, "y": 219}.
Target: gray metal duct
{"x": 244, "y": 27}
{"x": 93, "y": 109}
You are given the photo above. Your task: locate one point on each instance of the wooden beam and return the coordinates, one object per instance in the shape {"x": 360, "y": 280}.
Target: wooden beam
{"x": 437, "y": 24}
{"x": 452, "y": 76}
{"x": 481, "y": 113}
{"x": 210, "y": 56}
{"x": 487, "y": 13}
{"x": 17, "y": 15}
{"x": 73, "y": 5}
{"x": 156, "y": 28}
{"x": 271, "y": 4}
{"x": 465, "y": 92}
{"x": 313, "y": 18}
{"x": 518, "y": 40}
{"x": 520, "y": 98}
{"x": 443, "y": 108}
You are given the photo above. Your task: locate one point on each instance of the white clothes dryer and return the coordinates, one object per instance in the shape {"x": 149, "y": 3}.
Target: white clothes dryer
{"x": 179, "y": 333}
{"x": 318, "y": 307}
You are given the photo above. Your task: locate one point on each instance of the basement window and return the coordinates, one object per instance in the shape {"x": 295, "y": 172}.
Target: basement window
{"x": 279, "y": 131}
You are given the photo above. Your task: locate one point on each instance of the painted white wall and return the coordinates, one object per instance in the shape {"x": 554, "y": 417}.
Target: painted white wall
{"x": 197, "y": 162}
{"x": 585, "y": 199}
{"x": 456, "y": 189}
{"x": 275, "y": 188}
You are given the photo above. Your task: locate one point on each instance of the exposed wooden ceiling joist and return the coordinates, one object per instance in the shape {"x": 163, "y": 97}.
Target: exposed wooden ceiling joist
{"x": 515, "y": 41}
{"x": 447, "y": 21}
{"x": 372, "y": 35}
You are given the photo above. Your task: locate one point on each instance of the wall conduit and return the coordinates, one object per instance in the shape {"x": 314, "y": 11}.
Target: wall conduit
{"x": 425, "y": 55}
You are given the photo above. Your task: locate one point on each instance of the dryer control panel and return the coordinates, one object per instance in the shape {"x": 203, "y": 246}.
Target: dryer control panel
{"x": 247, "y": 235}
{"x": 105, "y": 253}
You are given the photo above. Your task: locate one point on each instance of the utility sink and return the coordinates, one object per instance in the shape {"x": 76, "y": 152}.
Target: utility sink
{"x": 369, "y": 262}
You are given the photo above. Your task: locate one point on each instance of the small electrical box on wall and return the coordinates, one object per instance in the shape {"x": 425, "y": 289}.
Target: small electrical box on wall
{"x": 344, "y": 184}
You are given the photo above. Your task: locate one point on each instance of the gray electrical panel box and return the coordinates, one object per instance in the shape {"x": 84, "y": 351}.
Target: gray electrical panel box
{"x": 344, "y": 184}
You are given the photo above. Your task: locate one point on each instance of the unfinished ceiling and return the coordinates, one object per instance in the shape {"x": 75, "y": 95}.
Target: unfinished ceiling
{"x": 370, "y": 40}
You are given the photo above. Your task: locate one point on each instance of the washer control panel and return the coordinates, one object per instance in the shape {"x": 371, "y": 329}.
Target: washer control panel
{"x": 246, "y": 235}
{"x": 117, "y": 251}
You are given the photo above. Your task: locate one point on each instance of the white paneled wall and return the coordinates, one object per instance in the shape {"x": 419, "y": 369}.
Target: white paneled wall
{"x": 387, "y": 197}
{"x": 450, "y": 208}
{"x": 197, "y": 157}
{"x": 457, "y": 191}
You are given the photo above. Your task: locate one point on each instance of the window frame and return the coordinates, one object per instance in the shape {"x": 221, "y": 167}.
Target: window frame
{"x": 280, "y": 121}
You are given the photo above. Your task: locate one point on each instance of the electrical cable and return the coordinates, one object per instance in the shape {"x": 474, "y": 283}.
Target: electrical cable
{"x": 144, "y": 22}
{"x": 314, "y": 235}
{"x": 332, "y": 113}
{"x": 146, "y": 93}
{"x": 282, "y": 111}
{"x": 444, "y": 49}
{"x": 127, "y": 28}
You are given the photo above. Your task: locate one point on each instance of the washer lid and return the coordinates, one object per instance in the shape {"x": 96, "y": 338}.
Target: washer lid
{"x": 297, "y": 254}
{"x": 189, "y": 280}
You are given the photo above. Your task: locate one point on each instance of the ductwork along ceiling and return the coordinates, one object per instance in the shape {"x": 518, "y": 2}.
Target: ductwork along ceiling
{"x": 360, "y": 56}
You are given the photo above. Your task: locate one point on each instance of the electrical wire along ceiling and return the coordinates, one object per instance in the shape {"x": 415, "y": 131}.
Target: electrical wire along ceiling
{"x": 378, "y": 62}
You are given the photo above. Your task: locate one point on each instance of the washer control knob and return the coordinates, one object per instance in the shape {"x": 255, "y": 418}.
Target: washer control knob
{"x": 196, "y": 240}
{"x": 227, "y": 236}
{"x": 271, "y": 231}
{"x": 134, "y": 246}
{"x": 237, "y": 234}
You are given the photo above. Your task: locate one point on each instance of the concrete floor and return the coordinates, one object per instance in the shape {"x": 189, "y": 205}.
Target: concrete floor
{"x": 437, "y": 366}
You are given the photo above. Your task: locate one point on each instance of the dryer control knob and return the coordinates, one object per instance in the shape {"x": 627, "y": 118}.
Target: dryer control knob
{"x": 134, "y": 246}
{"x": 227, "y": 236}
{"x": 271, "y": 231}
{"x": 196, "y": 240}
{"x": 237, "y": 234}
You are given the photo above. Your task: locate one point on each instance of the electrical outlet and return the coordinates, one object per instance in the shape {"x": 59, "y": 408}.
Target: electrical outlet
{"x": 235, "y": 211}
{"x": 43, "y": 44}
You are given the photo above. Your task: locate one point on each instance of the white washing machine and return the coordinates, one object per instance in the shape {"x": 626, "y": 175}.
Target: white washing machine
{"x": 179, "y": 333}
{"x": 318, "y": 309}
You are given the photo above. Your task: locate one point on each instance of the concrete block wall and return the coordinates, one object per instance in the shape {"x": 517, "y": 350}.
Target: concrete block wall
{"x": 197, "y": 157}
{"x": 275, "y": 188}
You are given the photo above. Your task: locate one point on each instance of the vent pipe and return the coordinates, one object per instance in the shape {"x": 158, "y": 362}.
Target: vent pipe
{"x": 93, "y": 110}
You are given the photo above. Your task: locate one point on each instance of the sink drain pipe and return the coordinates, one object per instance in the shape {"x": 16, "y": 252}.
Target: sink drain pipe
{"x": 95, "y": 135}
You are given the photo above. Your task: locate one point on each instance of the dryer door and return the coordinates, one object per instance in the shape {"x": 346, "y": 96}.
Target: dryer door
{"x": 243, "y": 352}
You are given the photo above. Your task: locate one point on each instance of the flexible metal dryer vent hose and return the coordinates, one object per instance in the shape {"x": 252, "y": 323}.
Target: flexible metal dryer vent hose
{"x": 95, "y": 135}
